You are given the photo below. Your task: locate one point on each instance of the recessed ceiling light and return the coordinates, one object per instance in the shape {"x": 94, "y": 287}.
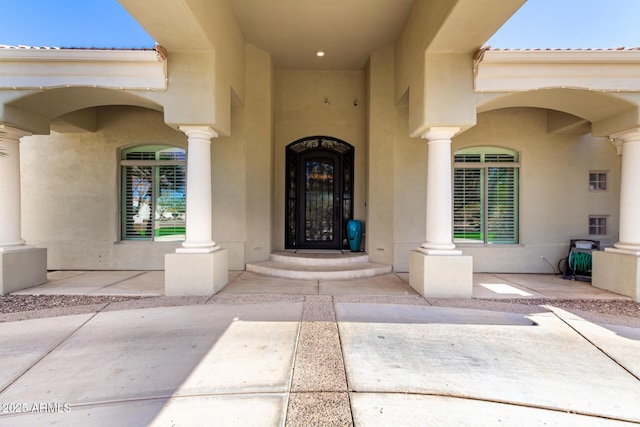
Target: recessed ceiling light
{"x": 319, "y": 53}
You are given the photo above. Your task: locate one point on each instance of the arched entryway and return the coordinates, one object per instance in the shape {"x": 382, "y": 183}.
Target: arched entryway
{"x": 319, "y": 193}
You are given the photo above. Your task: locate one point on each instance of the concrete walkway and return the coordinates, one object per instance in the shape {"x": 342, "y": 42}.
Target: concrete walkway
{"x": 323, "y": 355}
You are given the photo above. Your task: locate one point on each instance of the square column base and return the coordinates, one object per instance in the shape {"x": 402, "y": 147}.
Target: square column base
{"x": 22, "y": 268}
{"x": 441, "y": 276}
{"x": 616, "y": 272}
{"x": 195, "y": 274}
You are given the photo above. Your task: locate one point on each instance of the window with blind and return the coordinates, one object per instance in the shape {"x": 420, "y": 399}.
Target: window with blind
{"x": 153, "y": 193}
{"x": 485, "y": 195}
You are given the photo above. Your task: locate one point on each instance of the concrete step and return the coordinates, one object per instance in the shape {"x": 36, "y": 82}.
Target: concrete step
{"x": 320, "y": 258}
{"x": 319, "y": 266}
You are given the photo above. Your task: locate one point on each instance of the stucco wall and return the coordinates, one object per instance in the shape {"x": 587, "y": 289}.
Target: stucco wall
{"x": 555, "y": 201}
{"x": 381, "y": 143}
{"x": 397, "y": 172}
{"x": 422, "y": 25}
{"x": 70, "y": 192}
{"x": 206, "y": 63}
{"x": 71, "y": 183}
{"x": 410, "y": 194}
{"x": 244, "y": 190}
{"x": 300, "y": 111}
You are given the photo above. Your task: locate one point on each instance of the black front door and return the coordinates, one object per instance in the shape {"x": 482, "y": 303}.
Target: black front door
{"x": 319, "y": 196}
{"x": 319, "y": 213}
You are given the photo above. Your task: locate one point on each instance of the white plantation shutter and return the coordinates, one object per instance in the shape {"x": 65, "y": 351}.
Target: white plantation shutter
{"x": 485, "y": 195}
{"x": 468, "y": 187}
{"x": 502, "y": 205}
{"x": 170, "y": 205}
{"x": 138, "y": 199}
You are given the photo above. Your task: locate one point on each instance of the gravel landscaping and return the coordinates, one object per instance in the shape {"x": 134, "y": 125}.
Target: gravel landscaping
{"x": 610, "y": 307}
{"x": 29, "y": 303}
{"x": 21, "y": 303}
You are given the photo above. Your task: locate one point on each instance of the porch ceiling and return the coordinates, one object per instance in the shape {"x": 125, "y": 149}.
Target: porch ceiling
{"x": 347, "y": 31}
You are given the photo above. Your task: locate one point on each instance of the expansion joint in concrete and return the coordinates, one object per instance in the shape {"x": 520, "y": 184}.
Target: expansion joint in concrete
{"x": 288, "y": 402}
{"x": 344, "y": 366}
{"x": 555, "y": 313}
{"x": 50, "y": 350}
{"x": 506, "y": 402}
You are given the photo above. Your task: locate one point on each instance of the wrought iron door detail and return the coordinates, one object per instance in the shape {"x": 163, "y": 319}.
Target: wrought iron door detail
{"x": 319, "y": 193}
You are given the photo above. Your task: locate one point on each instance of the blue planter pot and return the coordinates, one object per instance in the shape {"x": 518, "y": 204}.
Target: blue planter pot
{"x": 354, "y": 233}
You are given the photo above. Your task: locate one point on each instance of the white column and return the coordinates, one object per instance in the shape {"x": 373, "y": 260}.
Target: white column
{"x": 10, "y": 213}
{"x": 199, "y": 198}
{"x": 629, "y": 239}
{"x": 439, "y": 190}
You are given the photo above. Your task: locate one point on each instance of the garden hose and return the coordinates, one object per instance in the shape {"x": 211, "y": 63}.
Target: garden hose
{"x": 579, "y": 261}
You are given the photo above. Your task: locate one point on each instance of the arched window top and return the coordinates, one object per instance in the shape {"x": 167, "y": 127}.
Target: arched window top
{"x": 153, "y": 152}
{"x": 486, "y": 155}
{"x": 320, "y": 142}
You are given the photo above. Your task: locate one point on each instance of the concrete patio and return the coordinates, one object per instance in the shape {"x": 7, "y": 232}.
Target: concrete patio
{"x": 151, "y": 283}
{"x": 367, "y": 352}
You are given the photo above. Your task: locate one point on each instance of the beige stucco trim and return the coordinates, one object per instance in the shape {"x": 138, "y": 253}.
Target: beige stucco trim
{"x": 517, "y": 71}
{"x": 53, "y": 68}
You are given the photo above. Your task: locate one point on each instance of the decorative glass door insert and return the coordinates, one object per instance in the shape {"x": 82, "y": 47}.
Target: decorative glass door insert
{"x": 319, "y": 216}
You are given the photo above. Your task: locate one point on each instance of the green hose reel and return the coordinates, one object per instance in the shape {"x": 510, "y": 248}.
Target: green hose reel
{"x": 579, "y": 260}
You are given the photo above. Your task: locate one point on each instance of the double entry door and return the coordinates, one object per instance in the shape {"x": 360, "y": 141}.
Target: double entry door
{"x": 319, "y": 193}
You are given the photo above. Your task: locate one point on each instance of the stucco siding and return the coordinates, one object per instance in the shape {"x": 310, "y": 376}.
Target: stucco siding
{"x": 555, "y": 201}
{"x": 70, "y": 191}
{"x": 300, "y": 111}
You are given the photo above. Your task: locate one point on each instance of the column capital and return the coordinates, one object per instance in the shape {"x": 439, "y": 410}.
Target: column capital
{"x": 626, "y": 136}
{"x": 203, "y": 132}
{"x": 439, "y": 133}
{"x": 13, "y": 132}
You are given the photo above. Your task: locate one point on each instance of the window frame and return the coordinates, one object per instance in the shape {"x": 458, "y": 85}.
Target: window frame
{"x": 595, "y": 183}
{"x": 478, "y": 160}
{"x": 604, "y": 226}
{"x": 124, "y": 163}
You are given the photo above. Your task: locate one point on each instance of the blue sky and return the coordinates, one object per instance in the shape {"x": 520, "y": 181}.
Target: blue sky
{"x": 571, "y": 24}
{"x": 70, "y": 23}
{"x": 538, "y": 24}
